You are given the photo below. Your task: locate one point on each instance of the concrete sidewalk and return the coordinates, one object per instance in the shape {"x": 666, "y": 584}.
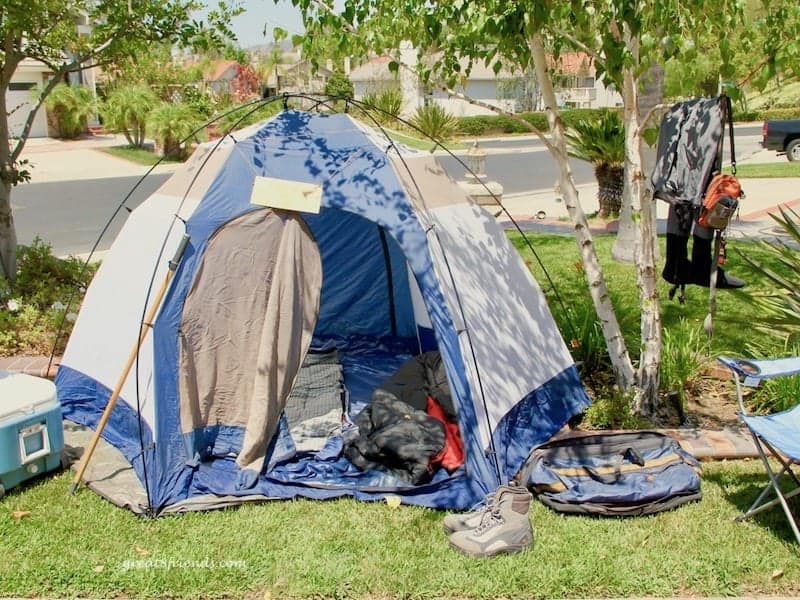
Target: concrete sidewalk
{"x": 544, "y": 209}
{"x": 70, "y": 160}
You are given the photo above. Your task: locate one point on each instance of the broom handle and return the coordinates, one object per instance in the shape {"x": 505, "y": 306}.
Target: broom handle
{"x": 148, "y": 323}
{"x": 708, "y": 323}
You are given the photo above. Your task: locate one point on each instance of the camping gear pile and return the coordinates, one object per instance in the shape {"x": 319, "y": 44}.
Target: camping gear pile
{"x": 294, "y": 237}
{"x": 31, "y": 433}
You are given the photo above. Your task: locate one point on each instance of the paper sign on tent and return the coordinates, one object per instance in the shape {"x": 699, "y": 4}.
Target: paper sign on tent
{"x": 286, "y": 194}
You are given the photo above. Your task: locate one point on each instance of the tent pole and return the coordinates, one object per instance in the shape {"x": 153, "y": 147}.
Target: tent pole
{"x": 148, "y": 323}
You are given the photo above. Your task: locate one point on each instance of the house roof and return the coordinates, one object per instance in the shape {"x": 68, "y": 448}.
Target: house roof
{"x": 573, "y": 63}
{"x": 375, "y": 69}
{"x": 218, "y": 69}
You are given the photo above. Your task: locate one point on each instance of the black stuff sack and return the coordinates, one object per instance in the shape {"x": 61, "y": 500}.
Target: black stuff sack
{"x": 613, "y": 474}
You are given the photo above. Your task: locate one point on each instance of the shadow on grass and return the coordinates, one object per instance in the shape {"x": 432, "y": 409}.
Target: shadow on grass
{"x": 742, "y": 489}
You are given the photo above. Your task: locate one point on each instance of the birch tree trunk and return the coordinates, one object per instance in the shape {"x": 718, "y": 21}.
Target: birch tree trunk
{"x": 617, "y": 351}
{"x": 8, "y": 234}
{"x": 646, "y": 399}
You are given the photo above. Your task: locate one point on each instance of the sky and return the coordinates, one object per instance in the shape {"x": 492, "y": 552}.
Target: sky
{"x": 261, "y": 14}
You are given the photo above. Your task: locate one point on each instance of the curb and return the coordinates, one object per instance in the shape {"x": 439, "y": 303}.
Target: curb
{"x": 38, "y": 366}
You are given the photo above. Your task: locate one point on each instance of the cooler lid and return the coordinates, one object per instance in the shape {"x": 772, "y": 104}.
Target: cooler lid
{"x": 20, "y": 393}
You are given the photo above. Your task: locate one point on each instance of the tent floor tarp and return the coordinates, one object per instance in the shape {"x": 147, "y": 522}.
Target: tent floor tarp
{"x": 112, "y": 477}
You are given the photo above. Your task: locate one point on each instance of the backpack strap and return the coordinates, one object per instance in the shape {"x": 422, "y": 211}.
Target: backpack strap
{"x": 728, "y": 107}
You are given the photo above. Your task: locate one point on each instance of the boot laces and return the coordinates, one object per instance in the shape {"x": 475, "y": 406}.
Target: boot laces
{"x": 491, "y": 518}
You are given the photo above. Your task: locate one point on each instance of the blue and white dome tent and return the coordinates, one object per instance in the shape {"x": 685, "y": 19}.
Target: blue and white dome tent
{"x": 308, "y": 231}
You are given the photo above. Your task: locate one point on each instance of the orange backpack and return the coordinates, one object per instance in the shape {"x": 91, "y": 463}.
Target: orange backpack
{"x": 720, "y": 202}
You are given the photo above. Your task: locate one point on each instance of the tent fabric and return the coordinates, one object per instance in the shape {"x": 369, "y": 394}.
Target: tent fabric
{"x": 398, "y": 261}
{"x": 245, "y": 330}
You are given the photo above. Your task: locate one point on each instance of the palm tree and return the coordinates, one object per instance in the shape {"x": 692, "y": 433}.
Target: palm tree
{"x": 126, "y": 109}
{"x": 171, "y": 124}
{"x": 70, "y": 107}
{"x": 602, "y": 143}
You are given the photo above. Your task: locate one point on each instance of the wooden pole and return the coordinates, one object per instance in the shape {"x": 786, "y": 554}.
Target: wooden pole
{"x": 148, "y": 323}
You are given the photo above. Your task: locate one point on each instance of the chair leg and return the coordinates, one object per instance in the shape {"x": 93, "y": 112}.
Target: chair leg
{"x": 782, "y": 498}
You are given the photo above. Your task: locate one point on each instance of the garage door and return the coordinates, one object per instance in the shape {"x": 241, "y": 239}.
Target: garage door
{"x": 19, "y": 97}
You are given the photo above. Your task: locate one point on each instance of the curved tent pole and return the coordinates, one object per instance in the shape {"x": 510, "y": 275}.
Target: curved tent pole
{"x": 146, "y": 320}
{"x": 367, "y": 108}
{"x": 257, "y": 104}
{"x": 148, "y": 317}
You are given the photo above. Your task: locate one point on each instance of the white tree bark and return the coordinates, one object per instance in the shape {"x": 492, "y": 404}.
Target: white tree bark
{"x": 646, "y": 399}
{"x": 618, "y": 352}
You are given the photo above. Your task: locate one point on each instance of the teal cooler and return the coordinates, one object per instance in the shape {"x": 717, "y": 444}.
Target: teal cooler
{"x": 31, "y": 432}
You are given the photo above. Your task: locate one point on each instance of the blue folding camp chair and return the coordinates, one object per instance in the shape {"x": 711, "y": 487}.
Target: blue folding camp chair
{"x": 779, "y": 432}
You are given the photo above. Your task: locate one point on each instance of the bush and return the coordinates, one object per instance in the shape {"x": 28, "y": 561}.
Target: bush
{"x": 33, "y": 312}
{"x": 69, "y": 108}
{"x": 126, "y": 110}
{"x": 434, "y": 121}
{"x": 766, "y": 114}
{"x": 171, "y": 124}
{"x": 339, "y": 85}
{"x": 502, "y": 124}
{"x": 388, "y": 103}
{"x": 684, "y": 355}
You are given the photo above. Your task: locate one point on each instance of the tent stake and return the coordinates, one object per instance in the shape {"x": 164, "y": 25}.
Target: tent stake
{"x": 148, "y": 323}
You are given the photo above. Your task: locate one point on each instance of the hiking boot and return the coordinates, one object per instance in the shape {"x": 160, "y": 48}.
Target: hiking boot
{"x": 467, "y": 521}
{"x": 505, "y": 526}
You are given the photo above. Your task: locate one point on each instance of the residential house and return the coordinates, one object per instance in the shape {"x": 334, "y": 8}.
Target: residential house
{"x": 25, "y": 84}
{"x": 300, "y": 76}
{"x": 577, "y": 85}
{"x": 27, "y": 81}
{"x": 482, "y": 84}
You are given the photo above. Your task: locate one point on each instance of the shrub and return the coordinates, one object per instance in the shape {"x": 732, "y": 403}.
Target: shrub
{"x": 33, "y": 312}
{"x": 126, "y": 110}
{"x": 684, "y": 355}
{"x": 171, "y": 124}
{"x": 767, "y": 114}
{"x": 613, "y": 411}
{"x": 434, "y": 121}
{"x": 388, "y": 103}
{"x": 503, "y": 124}
{"x": 339, "y": 85}
{"x": 69, "y": 108}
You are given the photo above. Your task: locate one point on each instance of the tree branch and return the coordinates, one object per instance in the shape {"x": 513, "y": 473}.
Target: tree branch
{"x": 579, "y": 45}
{"x": 649, "y": 115}
{"x": 455, "y": 94}
{"x": 757, "y": 68}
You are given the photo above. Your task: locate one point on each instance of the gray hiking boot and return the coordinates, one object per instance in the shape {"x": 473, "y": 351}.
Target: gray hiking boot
{"x": 466, "y": 521}
{"x": 505, "y": 526}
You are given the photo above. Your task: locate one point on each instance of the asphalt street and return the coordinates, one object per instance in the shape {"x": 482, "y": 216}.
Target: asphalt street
{"x": 70, "y": 215}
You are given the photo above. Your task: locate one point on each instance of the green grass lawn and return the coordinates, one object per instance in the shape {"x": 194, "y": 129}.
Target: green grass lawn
{"x": 764, "y": 170}
{"x": 134, "y": 154}
{"x": 559, "y": 255}
{"x": 83, "y": 546}
{"x": 423, "y": 144}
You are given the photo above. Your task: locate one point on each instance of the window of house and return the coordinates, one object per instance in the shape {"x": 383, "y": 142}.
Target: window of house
{"x": 21, "y": 86}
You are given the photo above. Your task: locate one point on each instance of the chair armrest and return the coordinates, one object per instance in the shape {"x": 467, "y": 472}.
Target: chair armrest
{"x": 751, "y": 369}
